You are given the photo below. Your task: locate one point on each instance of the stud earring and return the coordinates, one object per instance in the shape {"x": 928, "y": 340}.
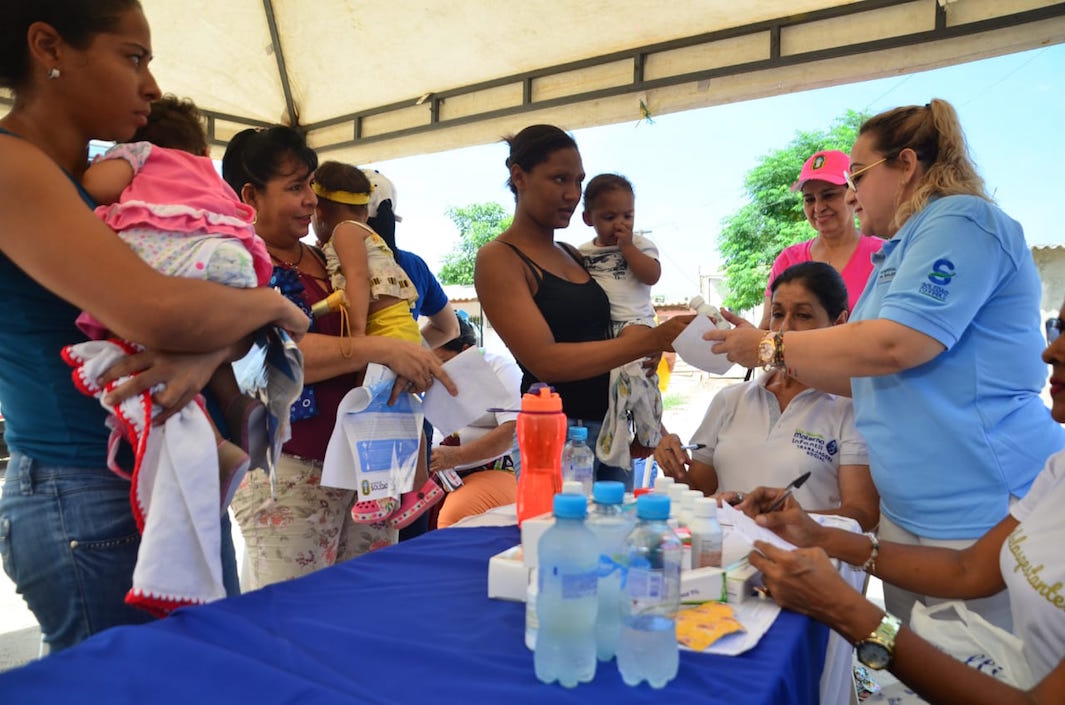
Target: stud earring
{"x": 53, "y": 73}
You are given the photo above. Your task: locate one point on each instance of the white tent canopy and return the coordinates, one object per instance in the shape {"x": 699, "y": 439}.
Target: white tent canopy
{"x": 377, "y": 80}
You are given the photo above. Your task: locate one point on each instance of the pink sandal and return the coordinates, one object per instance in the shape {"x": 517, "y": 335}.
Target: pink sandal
{"x": 416, "y": 503}
{"x": 373, "y": 511}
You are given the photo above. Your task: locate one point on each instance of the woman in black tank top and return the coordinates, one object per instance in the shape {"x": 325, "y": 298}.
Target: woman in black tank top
{"x": 537, "y": 295}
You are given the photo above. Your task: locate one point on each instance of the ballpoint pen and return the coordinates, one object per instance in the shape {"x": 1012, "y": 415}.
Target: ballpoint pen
{"x": 693, "y": 446}
{"x": 792, "y": 486}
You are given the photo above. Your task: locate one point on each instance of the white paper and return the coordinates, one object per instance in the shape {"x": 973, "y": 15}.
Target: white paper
{"x": 479, "y": 389}
{"x": 696, "y": 352}
{"x": 745, "y": 527}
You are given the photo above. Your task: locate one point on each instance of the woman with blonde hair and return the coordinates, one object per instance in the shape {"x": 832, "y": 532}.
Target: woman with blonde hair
{"x": 940, "y": 353}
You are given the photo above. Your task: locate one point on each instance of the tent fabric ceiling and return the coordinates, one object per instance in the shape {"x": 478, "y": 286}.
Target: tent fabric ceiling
{"x": 372, "y": 81}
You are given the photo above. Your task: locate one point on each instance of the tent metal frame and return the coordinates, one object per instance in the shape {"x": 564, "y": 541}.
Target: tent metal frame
{"x": 638, "y": 57}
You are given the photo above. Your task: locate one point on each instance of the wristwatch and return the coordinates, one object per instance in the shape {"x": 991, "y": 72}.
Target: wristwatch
{"x": 771, "y": 351}
{"x": 876, "y": 650}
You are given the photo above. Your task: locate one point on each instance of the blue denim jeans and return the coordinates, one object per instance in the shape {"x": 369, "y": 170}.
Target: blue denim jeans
{"x": 69, "y": 542}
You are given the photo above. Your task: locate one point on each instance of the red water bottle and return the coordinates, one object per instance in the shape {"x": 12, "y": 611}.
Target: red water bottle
{"x": 541, "y": 435}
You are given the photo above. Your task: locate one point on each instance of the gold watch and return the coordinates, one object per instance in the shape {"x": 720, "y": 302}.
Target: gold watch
{"x": 771, "y": 351}
{"x": 877, "y": 649}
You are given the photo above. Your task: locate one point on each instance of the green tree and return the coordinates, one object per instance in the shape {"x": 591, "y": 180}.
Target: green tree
{"x": 477, "y": 223}
{"x": 773, "y": 218}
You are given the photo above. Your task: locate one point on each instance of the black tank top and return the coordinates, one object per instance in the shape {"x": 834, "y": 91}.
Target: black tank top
{"x": 575, "y": 313}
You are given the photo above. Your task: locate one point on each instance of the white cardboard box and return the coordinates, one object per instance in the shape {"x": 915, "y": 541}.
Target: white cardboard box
{"x": 508, "y": 575}
{"x": 704, "y": 584}
{"x": 531, "y": 531}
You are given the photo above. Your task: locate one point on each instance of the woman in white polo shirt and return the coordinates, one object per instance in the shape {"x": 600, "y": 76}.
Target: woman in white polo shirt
{"x": 771, "y": 430}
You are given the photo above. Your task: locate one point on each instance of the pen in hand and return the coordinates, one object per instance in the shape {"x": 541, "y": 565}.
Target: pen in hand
{"x": 693, "y": 446}
{"x": 792, "y": 486}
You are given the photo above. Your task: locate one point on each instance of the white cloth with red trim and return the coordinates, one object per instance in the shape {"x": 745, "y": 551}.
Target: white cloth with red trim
{"x": 175, "y": 487}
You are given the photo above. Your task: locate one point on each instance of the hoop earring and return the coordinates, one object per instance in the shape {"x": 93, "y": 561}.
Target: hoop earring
{"x": 53, "y": 73}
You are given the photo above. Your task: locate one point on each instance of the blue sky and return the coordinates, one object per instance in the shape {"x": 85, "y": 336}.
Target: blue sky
{"x": 688, "y": 168}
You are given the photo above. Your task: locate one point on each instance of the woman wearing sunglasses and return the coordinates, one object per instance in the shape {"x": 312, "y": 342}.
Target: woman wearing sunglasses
{"x": 941, "y": 354}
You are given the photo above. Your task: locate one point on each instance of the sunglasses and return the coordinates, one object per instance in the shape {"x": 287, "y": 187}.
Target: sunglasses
{"x": 1053, "y": 327}
{"x": 853, "y": 178}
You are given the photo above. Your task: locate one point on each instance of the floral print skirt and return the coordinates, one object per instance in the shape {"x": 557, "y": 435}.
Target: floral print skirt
{"x": 308, "y": 527}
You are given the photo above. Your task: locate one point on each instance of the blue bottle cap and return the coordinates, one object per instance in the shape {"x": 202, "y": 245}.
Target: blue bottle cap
{"x": 608, "y": 492}
{"x": 572, "y": 506}
{"x": 579, "y": 433}
{"x": 652, "y": 506}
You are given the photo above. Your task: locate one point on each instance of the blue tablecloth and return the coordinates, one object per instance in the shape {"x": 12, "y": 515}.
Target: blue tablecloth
{"x": 409, "y": 624}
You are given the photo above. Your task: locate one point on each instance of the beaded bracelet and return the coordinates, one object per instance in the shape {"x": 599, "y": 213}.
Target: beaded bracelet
{"x": 870, "y": 564}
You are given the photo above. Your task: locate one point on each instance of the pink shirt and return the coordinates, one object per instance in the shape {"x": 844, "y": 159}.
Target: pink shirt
{"x": 855, "y": 274}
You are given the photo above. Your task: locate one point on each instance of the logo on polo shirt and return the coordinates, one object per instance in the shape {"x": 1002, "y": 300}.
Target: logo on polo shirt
{"x": 938, "y": 280}
{"x": 815, "y": 445}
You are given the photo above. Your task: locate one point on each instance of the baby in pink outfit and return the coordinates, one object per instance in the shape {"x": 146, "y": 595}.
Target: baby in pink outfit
{"x": 163, "y": 196}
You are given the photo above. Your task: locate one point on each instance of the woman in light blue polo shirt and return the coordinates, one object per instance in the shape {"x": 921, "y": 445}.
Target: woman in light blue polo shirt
{"x": 941, "y": 351}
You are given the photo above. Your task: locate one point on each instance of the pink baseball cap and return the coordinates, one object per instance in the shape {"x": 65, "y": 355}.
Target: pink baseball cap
{"x": 827, "y": 165}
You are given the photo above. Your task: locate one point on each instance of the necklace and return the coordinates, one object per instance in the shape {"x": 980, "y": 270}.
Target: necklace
{"x": 290, "y": 265}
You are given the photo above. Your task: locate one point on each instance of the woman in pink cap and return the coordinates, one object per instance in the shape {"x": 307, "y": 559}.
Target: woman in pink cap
{"x": 830, "y": 210}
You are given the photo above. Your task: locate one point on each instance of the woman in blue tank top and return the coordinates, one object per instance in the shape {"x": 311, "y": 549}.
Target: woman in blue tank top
{"x": 79, "y": 71}
{"x": 537, "y": 295}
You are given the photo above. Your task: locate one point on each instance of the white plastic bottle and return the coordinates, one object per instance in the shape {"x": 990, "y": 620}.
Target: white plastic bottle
{"x": 676, "y": 495}
{"x": 531, "y": 623}
{"x": 662, "y": 484}
{"x": 611, "y": 527}
{"x": 578, "y": 460}
{"x": 707, "y": 538}
{"x": 699, "y": 305}
{"x": 687, "y": 507}
{"x": 650, "y": 598}
{"x": 567, "y": 603}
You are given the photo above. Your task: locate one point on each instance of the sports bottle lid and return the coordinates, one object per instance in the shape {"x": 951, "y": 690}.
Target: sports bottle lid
{"x": 652, "y": 506}
{"x": 570, "y": 506}
{"x": 541, "y": 398}
{"x": 578, "y": 433}
{"x": 608, "y": 492}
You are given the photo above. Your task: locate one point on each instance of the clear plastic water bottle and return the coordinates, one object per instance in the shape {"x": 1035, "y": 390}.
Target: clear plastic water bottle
{"x": 578, "y": 460}
{"x": 611, "y": 527}
{"x": 707, "y": 538}
{"x": 650, "y": 597}
{"x": 567, "y": 600}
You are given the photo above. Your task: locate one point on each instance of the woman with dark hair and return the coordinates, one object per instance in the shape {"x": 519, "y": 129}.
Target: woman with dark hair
{"x": 483, "y": 451}
{"x": 940, "y": 352}
{"x": 79, "y": 71}
{"x": 540, "y": 299}
{"x": 307, "y": 527}
{"x": 772, "y": 429}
